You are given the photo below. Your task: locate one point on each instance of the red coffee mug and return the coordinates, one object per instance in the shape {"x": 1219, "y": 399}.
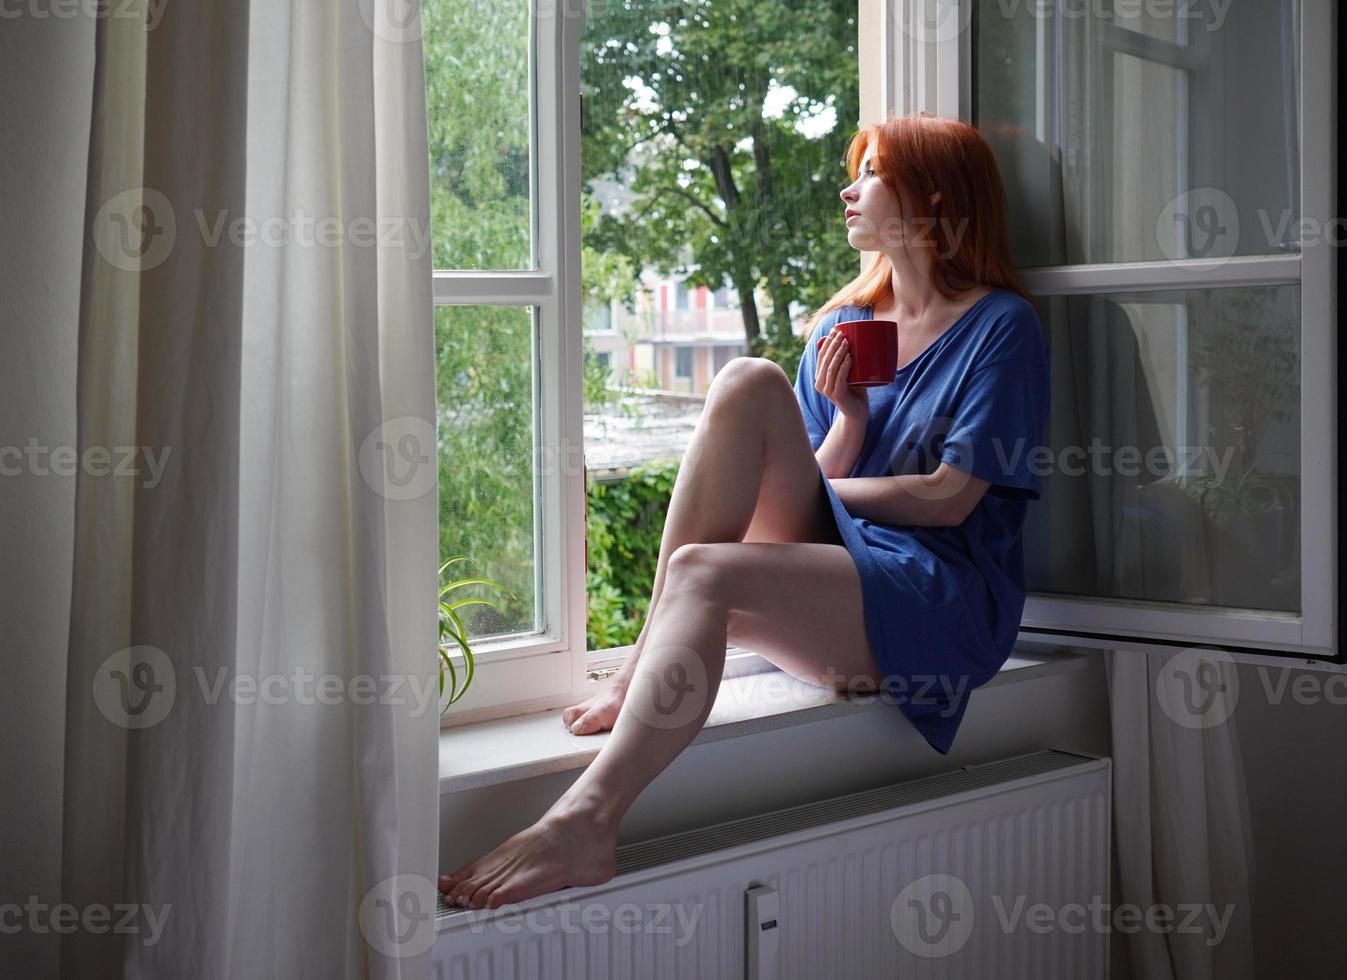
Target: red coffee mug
{"x": 874, "y": 351}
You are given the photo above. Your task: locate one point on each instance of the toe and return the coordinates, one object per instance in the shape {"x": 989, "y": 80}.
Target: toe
{"x": 587, "y": 724}
{"x": 460, "y": 891}
{"x": 488, "y": 886}
{"x": 477, "y": 898}
{"x": 494, "y": 868}
{"x": 452, "y": 885}
{"x": 495, "y": 895}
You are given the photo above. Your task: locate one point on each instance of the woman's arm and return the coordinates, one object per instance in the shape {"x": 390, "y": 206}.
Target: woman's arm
{"x": 944, "y": 498}
{"x": 841, "y": 446}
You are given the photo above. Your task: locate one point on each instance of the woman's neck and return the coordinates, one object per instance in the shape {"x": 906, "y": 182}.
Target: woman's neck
{"x": 917, "y": 305}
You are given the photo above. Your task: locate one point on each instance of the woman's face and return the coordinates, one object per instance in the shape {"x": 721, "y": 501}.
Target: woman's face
{"x": 873, "y": 217}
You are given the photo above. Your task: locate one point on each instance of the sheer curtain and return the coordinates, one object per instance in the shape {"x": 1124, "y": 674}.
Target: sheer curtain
{"x": 1108, "y": 124}
{"x": 252, "y": 705}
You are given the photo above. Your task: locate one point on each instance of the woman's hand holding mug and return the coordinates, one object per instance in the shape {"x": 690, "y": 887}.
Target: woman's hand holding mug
{"x": 830, "y": 378}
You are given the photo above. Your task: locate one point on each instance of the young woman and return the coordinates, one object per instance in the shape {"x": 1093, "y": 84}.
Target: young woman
{"x": 862, "y": 539}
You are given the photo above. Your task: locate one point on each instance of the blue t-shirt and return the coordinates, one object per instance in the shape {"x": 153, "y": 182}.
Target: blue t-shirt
{"x": 943, "y": 604}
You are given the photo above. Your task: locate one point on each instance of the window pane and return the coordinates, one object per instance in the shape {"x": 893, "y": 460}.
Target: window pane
{"x": 683, "y": 365}
{"x": 712, "y": 143}
{"x": 1174, "y": 471}
{"x": 1171, "y": 135}
{"x": 478, "y": 61}
{"x": 485, "y": 384}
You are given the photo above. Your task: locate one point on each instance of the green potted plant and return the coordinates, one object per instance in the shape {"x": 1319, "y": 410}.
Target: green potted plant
{"x": 452, "y": 632}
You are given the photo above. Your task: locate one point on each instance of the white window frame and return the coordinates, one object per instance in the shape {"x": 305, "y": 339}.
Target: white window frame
{"x": 529, "y": 672}
{"x": 926, "y": 52}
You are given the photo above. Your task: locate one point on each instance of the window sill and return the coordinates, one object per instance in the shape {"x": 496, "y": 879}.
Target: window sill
{"x": 754, "y": 697}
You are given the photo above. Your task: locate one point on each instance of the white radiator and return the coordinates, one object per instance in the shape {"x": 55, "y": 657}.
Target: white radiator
{"x": 996, "y": 871}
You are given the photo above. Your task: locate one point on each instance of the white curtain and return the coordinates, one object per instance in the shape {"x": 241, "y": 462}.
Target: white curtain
{"x": 252, "y": 710}
{"x": 1181, "y": 813}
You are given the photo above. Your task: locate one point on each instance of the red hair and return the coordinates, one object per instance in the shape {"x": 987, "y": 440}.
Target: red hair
{"x": 947, "y": 169}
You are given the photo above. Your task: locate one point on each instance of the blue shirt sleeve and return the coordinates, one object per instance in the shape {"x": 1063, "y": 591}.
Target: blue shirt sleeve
{"x": 1001, "y": 419}
{"x": 818, "y": 411}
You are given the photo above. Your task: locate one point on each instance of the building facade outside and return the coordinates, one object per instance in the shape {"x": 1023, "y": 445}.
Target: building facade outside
{"x": 679, "y": 335}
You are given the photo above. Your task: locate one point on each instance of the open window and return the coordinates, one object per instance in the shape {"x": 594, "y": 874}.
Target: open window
{"x": 1171, "y": 174}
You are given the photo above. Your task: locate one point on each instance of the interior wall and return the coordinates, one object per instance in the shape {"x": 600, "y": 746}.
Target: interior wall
{"x": 46, "y": 74}
{"x": 1291, "y": 727}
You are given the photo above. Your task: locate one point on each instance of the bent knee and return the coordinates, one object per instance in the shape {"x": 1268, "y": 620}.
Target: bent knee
{"x": 745, "y": 371}
{"x": 696, "y": 567}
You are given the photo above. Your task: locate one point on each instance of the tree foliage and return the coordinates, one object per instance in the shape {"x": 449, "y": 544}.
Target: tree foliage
{"x": 689, "y": 105}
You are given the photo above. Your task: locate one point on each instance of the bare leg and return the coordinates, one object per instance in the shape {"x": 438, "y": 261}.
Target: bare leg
{"x": 736, "y": 495}
{"x": 672, "y": 692}
{"x": 784, "y": 586}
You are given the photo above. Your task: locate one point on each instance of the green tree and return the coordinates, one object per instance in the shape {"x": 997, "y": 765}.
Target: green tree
{"x": 674, "y": 95}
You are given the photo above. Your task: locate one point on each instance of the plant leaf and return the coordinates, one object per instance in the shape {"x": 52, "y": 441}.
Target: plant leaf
{"x": 450, "y": 586}
{"x": 453, "y": 561}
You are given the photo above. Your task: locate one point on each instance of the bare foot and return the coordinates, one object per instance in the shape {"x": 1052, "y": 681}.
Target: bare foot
{"x": 598, "y": 712}
{"x": 559, "y": 850}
